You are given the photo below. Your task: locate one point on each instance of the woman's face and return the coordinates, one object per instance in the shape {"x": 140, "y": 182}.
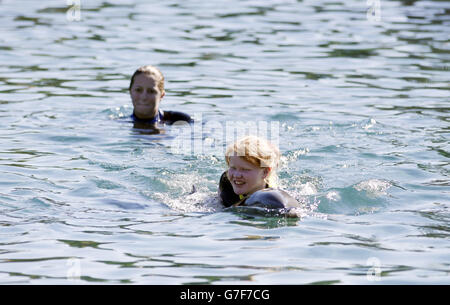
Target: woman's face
{"x": 145, "y": 96}
{"x": 245, "y": 177}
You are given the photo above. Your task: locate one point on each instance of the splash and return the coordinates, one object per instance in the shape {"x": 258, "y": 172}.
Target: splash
{"x": 203, "y": 202}
{"x": 374, "y": 187}
{"x": 368, "y": 196}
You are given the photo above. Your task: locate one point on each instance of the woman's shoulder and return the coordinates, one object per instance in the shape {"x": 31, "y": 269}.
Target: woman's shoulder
{"x": 170, "y": 117}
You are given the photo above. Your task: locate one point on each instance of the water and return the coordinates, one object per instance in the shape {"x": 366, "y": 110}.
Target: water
{"x": 360, "y": 106}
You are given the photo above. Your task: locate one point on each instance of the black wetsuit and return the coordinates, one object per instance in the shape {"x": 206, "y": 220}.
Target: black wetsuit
{"x": 270, "y": 198}
{"x": 164, "y": 117}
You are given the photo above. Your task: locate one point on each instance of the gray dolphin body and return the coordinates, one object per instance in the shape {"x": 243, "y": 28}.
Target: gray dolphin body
{"x": 271, "y": 199}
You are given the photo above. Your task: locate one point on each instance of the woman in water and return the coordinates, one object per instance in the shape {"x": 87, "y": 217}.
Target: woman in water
{"x": 250, "y": 179}
{"x": 146, "y": 91}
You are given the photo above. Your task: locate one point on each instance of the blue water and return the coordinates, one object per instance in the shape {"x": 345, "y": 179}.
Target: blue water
{"x": 356, "y": 96}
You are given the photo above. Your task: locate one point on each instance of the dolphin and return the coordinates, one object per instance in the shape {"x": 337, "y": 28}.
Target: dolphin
{"x": 271, "y": 199}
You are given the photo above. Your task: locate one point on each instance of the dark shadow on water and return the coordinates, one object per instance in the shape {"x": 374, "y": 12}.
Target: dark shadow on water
{"x": 147, "y": 129}
{"x": 262, "y": 218}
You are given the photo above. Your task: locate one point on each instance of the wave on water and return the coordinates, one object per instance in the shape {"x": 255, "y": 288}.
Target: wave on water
{"x": 203, "y": 202}
{"x": 367, "y": 196}
{"x": 125, "y": 204}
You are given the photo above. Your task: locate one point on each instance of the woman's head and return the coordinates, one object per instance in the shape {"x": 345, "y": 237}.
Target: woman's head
{"x": 152, "y": 71}
{"x": 146, "y": 91}
{"x": 252, "y": 164}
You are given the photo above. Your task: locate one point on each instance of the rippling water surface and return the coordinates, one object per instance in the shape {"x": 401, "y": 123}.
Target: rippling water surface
{"x": 356, "y": 96}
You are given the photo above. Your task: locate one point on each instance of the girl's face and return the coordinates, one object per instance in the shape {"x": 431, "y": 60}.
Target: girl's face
{"x": 145, "y": 96}
{"x": 245, "y": 177}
